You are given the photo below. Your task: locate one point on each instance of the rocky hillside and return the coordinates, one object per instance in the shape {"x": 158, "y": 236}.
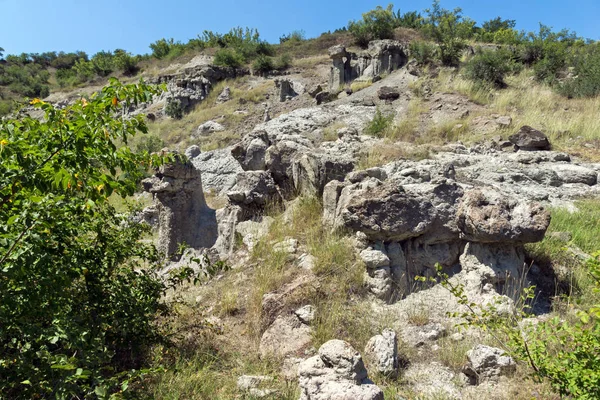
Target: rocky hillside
{"x": 369, "y": 221}
{"x": 359, "y": 191}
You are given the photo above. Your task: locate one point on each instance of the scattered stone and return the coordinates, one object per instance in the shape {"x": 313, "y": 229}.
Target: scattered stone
{"x": 418, "y": 336}
{"x": 225, "y": 95}
{"x": 336, "y": 373}
{"x": 432, "y": 380}
{"x": 287, "y": 246}
{"x": 306, "y": 314}
{"x": 381, "y": 352}
{"x": 487, "y": 363}
{"x": 306, "y": 261}
{"x": 530, "y": 139}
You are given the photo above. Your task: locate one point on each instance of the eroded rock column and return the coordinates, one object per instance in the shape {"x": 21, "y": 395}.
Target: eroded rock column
{"x": 183, "y": 216}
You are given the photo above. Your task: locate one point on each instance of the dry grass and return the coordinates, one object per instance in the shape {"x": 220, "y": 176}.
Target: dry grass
{"x": 571, "y": 124}
{"x": 390, "y": 151}
{"x": 360, "y": 85}
{"x": 178, "y": 133}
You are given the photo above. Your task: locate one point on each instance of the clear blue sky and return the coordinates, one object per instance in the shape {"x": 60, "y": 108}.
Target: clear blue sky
{"x": 92, "y": 25}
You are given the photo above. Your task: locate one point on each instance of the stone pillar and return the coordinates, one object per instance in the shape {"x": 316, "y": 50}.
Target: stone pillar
{"x": 183, "y": 216}
{"x": 337, "y": 76}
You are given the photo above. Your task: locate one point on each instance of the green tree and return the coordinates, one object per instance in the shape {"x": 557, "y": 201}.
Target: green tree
{"x": 450, "y": 30}
{"x": 77, "y": 299}
{"x": 1, "y": 53}
{"x": 375, "y": 24}
{"x": 496, "y": 24}
{"x": 161, "y": 48}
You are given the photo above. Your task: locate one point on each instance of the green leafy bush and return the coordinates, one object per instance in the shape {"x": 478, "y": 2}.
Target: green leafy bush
{"x": 375, "y": 24}
{"x": 228, "y": 58}
{"x": 379, "y": 124}
{"x": 489, "y": 67}
{"x": 77, "y": 300}
{"x": 282, "y": 62}
{"x": 161, "y": 48}
{"x": 173, "y": 108}
{"x": 124, "y": 62}
{"x": 449, "y": 29}
{"x": 586, "y": 70}
{"x": 423, "y": 52}
{"x": 262, "y": 64}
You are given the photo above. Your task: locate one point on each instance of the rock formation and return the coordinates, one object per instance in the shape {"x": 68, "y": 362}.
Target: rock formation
{"x": 336, "y": 373}
{"x": 183, "y": 216}
{"x": 382, "y": 56}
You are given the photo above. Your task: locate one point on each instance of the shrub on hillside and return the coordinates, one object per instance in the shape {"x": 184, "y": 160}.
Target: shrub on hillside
{"x": 282, "y": 62}
{"x": 449, "y": 29}
{"x": 174, "y": 109}
{"x": 228, "y": 58}
{"x": 78, "y": 297}
{"x": 161, "y": 48}
{"x": 586, "y": 70}
{"x": 379, "y": 124}
{"x": 375, "y": 24}
{"x": 489, "y": 67}
{"x": 262, "y": 64}
{"x": 423, "y": 52}
{"x": 124, "y": 62}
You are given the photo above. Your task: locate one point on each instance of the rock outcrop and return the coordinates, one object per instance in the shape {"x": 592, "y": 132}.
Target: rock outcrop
{"x": 381, "y": 352}
{"x": 336, "y": 373}
{"x": 381, "y": 56}
{"x": 487, "y": 363}
{"x": 183, "y": 216}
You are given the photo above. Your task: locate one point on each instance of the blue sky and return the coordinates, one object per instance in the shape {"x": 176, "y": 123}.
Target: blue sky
{"x": 69, "y": 25}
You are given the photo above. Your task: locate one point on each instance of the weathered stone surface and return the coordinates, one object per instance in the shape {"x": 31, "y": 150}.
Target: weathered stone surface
{"x": 251, "y": 151}
{"x": 374, "y": 259}
{"x": 418, "y": 336}
{"x": 285, "y": 88}
{"x": 336, "y": 373}
{"x": 568, "y": 173}
{"x": 254, "y": 189}
{"x": 381, "y": 352}
{"x": 432, "y": 380}
{"x": 530, "y": 139}
{"x": 183, "y": 214}
{"x": 488, "y": 364}
{"x": 306, "y": 314}
{"x": 218, "y": 169}
{"x": 287, "y": 335}
{"x": 379, "y": 281}
{"x": 312, "y": 171}
{"x": 488, "y": 216}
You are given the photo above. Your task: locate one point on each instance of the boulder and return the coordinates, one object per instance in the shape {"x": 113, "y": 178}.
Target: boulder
{"x": 285, "y": 89}
{"x": 209, "y": 127}
{"x": 487, "y": 363}
{"x": 530, "y": 139}
{"x": 251, "y": 384}
{"x": 418, "y": 336}
{"x": 488, "y": 216}
{"x": 287, "y": 335}
{"x": 374, "y": 259}
{"x": 218, "y": 168}
{"x": 336, "y": 373}
{"x": 381, "y": 352}
{"x": 388, "y": 93}
{"x": 251, "y": 151}
{"x": 312, "y": 171}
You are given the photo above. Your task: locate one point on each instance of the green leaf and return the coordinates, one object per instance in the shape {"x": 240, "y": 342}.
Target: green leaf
{"x": 26, "y": 382}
